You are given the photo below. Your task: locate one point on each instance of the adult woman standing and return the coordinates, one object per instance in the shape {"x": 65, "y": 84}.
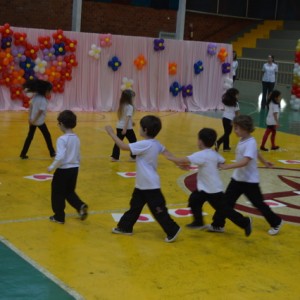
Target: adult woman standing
{"x": 268, "y": 81}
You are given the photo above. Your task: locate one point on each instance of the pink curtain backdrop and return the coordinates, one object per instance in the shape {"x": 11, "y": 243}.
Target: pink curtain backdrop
{"x": 95, "y": 87}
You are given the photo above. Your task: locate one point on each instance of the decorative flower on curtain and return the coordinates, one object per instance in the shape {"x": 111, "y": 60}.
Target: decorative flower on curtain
{"x": 17, "y": 77}
{"x": 49, "y": 54}
{"x": 6, "y": 42}
{"x": 126, "y": 84}
{"x": 198, "y": 67}
{"x": 140, "y": 62}
{"x": 95, "y": 51}
{"x": 16, "y": 92}
{"x": 159, "y": 44}
{"x": 172, "y": 68}
{"x": 44, "y": 42}
{"x": 226, "y": 68}
{"x": 58, "y": 85}
{"x": 20, "y": 39}
{"x": 115, "y": 63}
{"x": 40, "y": 66}
{"x": 27, "y": 65}
{"x": 18, "y": 54}
{"x": 31, "y": 51}
{"x": 59, "y": 63}
{"x": 175, "y": 88}
{"x": 59, "y": 49}
{"x": 105, "y": 40}
{"x": 70, "y": 45}
{"x": 71, "y": 60}
{"x": 52, "y": 74}
{"x": 222, "y": 55}
{"x": 5, "y": 57}
{"x": 5, "y": 30}
{"x": 212, "y": 49}
{"x": 187, "y": 91}
{"x": 59, "y": 36}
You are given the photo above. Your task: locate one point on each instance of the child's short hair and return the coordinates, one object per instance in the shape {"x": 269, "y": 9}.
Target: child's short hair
{"x": 151, "y": 124}
{"x": 41, "y": 87}
{"x": 67, "y": 118}
{"x": 208, "y": 136}
{"x": 245, "y": 122}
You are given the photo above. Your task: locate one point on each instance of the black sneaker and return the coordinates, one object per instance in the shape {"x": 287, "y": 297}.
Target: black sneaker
{"x": 52, "y": 219}
{"x": 275, "y": 148}
{"x": 263, "y": 149}
{"x": 196, "y": 225}
{"x": 24, "y": 156}
{"x": 248, "y": 229}
{"x": 119, "y": 230}
{"x": 170, "y": 239}
{"x": 83, "y": 212}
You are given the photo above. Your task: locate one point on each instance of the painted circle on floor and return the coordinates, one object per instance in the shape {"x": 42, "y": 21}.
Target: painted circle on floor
{"x": 280, "y": 188}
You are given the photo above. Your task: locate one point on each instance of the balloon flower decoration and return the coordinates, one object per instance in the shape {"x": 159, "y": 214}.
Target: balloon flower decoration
{"x": 175, "y": 88}
{"x": 140, "y": 62}
{"x": 52, "y": 59}
{"x": 172, "y": 68}
{"x": 115, "y": 63}
{"x": 159, "y": 44}
{"x": 126, "y": 84}
{"x": 212, "y": 49}
{"x": 226, "y": 68}
{"x": 295, "y": 98}
{"x": 198, "y": 67}
{"x": 105, "y": 40}
{"x": 95, "y": 51}
{"x": 222, "y": 55}
{"x": 187, "y": 91}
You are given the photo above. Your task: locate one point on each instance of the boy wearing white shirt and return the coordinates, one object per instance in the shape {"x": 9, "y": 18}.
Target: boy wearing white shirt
{"x": 245, "y": 178}
{"x": 147, "y": 187}
{"x": 66, "y": 163}
{"x": 209, "y": 184}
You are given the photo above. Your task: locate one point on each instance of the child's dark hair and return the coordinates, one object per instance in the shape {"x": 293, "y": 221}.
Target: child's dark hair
{"x": 126, "y": 98}
{"x": 245, "y": 122}
{"x": 41, "y": 87}
{"x": 67, "y": 118}
{"x": 230, "y": 97}
{"x": 272, "y": 97}
{"x": 208, "y": 136}
{"x": 151, "y": 125}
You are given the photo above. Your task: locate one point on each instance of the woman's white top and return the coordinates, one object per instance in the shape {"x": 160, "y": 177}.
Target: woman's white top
{"x": 269, "y": 72}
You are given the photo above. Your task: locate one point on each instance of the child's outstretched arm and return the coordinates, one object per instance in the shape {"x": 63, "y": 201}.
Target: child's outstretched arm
{"x": 239, "y": 164}
{"x": 181, "y": 162}
{"x": 268, "y": 164}
{"x": 119, "y": 142}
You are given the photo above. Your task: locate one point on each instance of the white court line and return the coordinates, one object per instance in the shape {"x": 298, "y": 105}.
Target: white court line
{"x": 45, "y": 272}
{"x": 95, "y": 212}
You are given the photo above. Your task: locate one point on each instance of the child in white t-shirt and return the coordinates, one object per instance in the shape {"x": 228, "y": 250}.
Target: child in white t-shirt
{"x": 125, "y": 123}
{"x": 245, "y": 178}
{"x": 209, "y": 184}
{"x": 147, "y": 186}
{"x": 272, "y": 121}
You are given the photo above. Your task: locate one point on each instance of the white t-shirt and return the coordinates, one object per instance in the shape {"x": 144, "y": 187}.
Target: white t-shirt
{"x": 229, "y": 111}
{"x": 146, "y": 152}
{"x": 249, "y": 173}
{"x": 127, "y": 112}
{"x": 67, "y": 152}
{"x": 38, "y": 103}
{"x": 273, "y": 108}
{"x": 208, "y": 177}
{"x": 234, "y": 66}
{"x": 269, "y": 72}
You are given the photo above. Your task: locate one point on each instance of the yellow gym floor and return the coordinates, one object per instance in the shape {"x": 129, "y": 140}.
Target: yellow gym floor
{"x": 89, "y": 262}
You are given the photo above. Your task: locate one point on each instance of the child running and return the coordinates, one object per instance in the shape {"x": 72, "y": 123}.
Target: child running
{"x": 147, "y": 185}
{"x": 231, "y": 109}
{"x": 66, "y": 163}
{"x": 209, "y": 184}
{"x": 272, "y": 121}
{"x": 125, "y": 124}
{"x": 37, "y": 114}
{"x": 245, "y": 178}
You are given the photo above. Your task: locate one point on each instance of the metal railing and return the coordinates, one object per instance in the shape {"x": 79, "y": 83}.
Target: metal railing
{"x": 251, "y": 70}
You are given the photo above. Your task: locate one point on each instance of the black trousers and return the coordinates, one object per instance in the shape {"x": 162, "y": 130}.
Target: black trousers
{"x": 217, "y": 201}
{"x": 252, "y": 191}
{"x": 44, "y": 130}
{"x": 130, "y": 135}
{"x": 157, "y": 205}
{"x": 63, "y": 188}
{"x": 224, "y": 139}
{"x": 267, "y": 88}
